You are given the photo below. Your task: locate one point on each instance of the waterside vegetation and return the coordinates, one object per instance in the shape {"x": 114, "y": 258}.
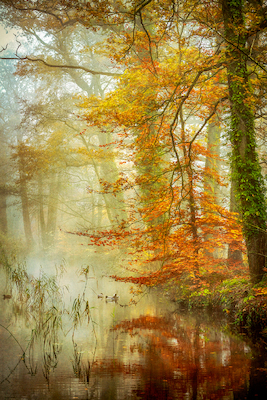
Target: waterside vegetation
{"x": 138, "y": 129}
{"x": 241, "y": 305}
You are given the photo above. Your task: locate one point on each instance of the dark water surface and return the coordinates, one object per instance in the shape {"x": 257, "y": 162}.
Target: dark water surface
{"x": 69, "y": 344}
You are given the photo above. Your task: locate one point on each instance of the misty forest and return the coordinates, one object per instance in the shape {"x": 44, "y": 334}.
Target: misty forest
{"x": 133, "y": 199}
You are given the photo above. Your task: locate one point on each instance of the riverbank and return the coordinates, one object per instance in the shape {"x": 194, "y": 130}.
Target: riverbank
{"x": 244, "y": 305}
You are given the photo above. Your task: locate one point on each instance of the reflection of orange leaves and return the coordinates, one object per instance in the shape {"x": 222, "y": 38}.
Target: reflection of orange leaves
{"x": 115, "y": 366}
{"x": 143, "y": 322}
{"x": 175, "y": 353}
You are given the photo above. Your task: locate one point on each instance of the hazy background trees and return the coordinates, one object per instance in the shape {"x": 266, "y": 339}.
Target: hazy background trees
{"x": 58, "y": 165}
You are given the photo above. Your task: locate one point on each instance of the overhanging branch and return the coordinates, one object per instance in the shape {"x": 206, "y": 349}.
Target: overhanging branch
{"x": 65, "y": 66}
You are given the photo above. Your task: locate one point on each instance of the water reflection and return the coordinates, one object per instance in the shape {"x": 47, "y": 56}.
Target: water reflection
{"x": 66, "y": 344}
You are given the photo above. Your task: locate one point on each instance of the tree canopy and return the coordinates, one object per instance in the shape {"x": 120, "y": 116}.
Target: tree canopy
{"x": 158, "y": 108}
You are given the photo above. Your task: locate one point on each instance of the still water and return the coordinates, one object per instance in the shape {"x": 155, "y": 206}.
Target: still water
{"x": 60, "y": 340}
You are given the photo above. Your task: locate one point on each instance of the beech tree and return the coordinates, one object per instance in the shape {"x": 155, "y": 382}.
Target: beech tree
{"x": 239, "y": 24}
{"x": 176, "y": 200}
{"x": 177, "y": 60}
{"x": 245, "y": 163}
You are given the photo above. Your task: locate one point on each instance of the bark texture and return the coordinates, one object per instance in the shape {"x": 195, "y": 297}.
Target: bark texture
{"x": 246, "y": 171}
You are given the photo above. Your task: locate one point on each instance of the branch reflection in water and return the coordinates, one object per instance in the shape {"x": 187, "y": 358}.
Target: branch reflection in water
{"x": 65, "y": 344}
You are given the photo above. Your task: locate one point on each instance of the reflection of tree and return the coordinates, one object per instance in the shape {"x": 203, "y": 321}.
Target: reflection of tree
{"x": 182, "y": 361}
{"x": 258, "y": 376}
{"x": 148, "y": 357}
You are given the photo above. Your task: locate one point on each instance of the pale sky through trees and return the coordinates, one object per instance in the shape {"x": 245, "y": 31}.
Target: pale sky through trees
{"x": 6, "y": 38}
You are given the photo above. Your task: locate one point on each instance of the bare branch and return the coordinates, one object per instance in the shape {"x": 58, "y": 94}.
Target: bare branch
{"x": 205, "y": 123}
{"x": 90, "y": 71}
{"x": 3, "y": 48}
{"x": 149, "y": 41}
{"x": 38, "y": 10}
{"x": 236, "y": 46}
{"x": 141, "y": 6}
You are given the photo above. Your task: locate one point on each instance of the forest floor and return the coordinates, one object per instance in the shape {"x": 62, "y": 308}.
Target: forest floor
{"x": 244, "y": 304}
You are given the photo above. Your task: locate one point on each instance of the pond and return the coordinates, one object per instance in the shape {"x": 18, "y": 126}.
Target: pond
{"x": 60, "y": 340}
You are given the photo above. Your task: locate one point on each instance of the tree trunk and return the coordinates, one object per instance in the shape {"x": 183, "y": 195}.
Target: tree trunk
{"x": 52, "y": 209}
{"x": 246, "y": 170}
{"x": 108, "y": 171}
{"x": 189, "y": 185}
{"x": 41, "y": 212}
{"x": 212, "y": 166}
{"x": 3, "y": 181}
{"x": 212, "y": 162}
{"x": 234, "y": 257}
{"x": 26, "y": 214}
{"x": 3, "y": 213}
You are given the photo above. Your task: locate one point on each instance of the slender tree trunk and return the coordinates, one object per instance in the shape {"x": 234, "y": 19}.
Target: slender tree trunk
{"x": 246, "y": 170}
{"x": 99, "y": 206}
{"x": 234, "y": 255}
{"x": 189, "y": 184}
{"x": 3, "y": 181}
{"x": 108, "y": 171}
{"x": 97, "y": 212}
{"x": 212, "y": 167}
{"x": 212, "y": 162}
{"x": 26, "y": 213}
{"x": 3, "y": 213}
{"x": 94, "y": 211}
{"x": 52, "y": 209}
{"x": 41, "y": 211}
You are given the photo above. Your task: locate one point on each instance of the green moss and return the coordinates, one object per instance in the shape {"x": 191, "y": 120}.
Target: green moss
{"x": 236, "y": 298}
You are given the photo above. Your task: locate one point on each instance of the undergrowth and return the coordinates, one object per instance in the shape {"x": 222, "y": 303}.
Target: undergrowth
{"x": 244, "y": 304}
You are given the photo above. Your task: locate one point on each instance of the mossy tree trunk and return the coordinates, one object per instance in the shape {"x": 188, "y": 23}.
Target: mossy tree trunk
{"x": 246, "y": 171}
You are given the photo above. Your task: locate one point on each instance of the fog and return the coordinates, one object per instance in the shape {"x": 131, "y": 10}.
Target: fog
{"x": 118, "y": 205}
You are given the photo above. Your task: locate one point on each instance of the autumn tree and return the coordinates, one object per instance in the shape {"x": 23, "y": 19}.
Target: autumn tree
{"x": 245, "y": 164}
{"x": 239, "y": 25}
{"x": 180, "y": 60}
{"x": 135, "y": 105}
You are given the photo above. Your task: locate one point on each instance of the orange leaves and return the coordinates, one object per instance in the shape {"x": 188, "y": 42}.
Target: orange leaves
{"x": 173, "y": 224}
